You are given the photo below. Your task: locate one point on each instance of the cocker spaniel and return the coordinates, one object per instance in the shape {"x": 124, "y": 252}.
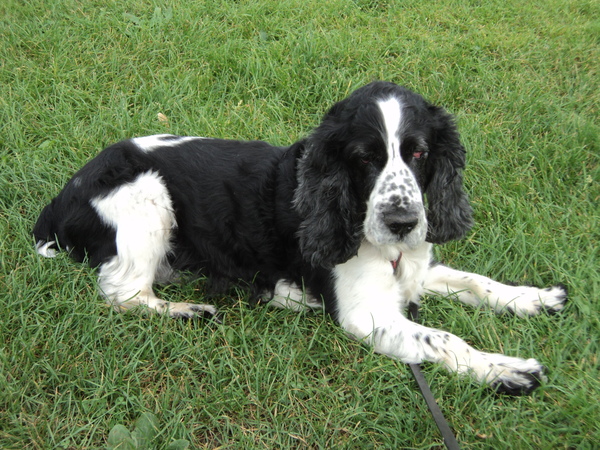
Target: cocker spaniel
{"x": 344, "y": 219}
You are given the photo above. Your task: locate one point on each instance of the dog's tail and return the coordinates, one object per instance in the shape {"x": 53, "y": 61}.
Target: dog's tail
{"x": 45, "y": 232}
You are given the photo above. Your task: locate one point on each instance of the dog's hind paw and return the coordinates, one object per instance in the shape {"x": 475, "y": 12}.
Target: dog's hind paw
{"x": 189, "y": 311}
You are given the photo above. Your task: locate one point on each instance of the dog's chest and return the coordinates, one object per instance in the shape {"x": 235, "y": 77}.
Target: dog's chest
{"x": 411, "y": 272}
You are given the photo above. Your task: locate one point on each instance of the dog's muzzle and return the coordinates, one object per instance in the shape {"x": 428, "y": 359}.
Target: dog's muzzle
{"x": 399, "y": 221}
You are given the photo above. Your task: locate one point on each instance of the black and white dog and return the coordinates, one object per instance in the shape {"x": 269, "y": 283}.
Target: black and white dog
{"x": 337, "y": 220}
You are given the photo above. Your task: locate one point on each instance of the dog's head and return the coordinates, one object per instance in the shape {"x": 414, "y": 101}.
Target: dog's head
{"x": 365, "y": 168}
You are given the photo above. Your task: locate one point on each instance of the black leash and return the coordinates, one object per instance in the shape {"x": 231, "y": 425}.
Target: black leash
{"x": 447, "y": 434}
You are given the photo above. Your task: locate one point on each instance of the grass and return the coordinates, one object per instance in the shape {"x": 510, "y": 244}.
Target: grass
{"x": 522, "y": 79}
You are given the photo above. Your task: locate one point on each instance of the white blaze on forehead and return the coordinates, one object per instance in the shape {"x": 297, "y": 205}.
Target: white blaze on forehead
{"x": 392, "y": 115}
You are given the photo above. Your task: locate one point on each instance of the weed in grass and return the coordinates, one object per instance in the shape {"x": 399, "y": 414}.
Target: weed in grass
{"x": 144, "y": 436}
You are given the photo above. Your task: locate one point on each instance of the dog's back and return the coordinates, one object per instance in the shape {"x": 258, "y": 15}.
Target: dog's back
{"x": 221, "y": 194}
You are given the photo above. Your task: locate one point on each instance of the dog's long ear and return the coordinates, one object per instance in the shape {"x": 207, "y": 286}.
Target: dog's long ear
{"x": 331, "y": 226}
{"x": 449, "y": 214}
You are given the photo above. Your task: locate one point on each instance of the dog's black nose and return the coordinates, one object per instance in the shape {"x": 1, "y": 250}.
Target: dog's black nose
{"x": 399, "y": 223}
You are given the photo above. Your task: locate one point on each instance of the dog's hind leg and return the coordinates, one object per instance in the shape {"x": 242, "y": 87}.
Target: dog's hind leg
{"x": 141, "y": 212}
{"x": 126, "y": 284}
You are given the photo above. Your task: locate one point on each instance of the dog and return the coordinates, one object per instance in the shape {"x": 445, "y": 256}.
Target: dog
{"x": 343, "y": 219}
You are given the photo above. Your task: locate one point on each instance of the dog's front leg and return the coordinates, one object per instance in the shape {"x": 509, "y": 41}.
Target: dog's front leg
{"x": 369, "y": 300}
{"x": 475, "y": 290}
{"x": 413, "y": 343}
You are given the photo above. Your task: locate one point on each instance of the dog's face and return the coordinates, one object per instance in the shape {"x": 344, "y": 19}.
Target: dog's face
{"x": 395, "y": 213}
{"x": 366, "y": 169}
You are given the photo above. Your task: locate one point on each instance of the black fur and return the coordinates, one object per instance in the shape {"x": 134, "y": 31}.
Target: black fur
{"x": 254, "y": 212}
{"x": 449, "y": 213}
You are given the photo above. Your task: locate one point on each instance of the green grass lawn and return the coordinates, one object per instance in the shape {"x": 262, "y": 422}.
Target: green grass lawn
{"x": 523, "y": 81}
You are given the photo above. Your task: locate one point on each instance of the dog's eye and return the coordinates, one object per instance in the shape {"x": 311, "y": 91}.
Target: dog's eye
{"x": 413, "y": 148}
{"x": 365, "y": 158}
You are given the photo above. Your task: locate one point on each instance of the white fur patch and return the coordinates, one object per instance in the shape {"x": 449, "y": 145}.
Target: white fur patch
{"x": 370, "y": 294}
{"x": 142, "y": 215}
{"x": 290, "y": 296}
{"x": 150, "y": 143}
{"x": 43, "y": 248}
{"x": 391, "y": 111}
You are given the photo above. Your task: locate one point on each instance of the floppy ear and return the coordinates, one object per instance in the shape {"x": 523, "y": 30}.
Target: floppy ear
{"x": 330, "y": 230}
{"x": 449, "y": 214}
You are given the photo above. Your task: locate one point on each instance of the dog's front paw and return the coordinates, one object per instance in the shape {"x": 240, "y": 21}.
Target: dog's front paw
{"x": 554, "y": 298}
{"x": 530, "y": 301}
{"x": 508, "y": 375}
{"x": 520, "y": 381}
